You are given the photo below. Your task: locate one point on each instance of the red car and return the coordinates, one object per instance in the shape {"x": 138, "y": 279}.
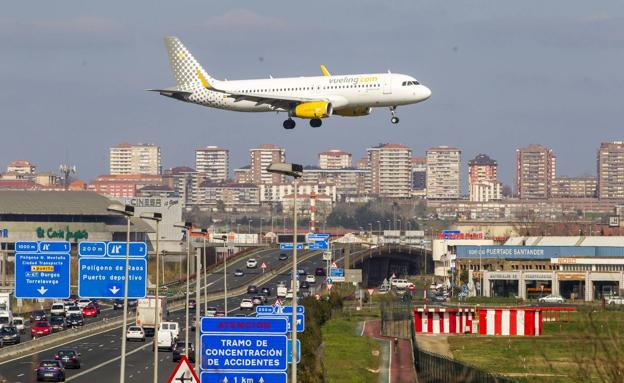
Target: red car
{"x": 40, "y": 328}
{"x": 89, "y": 311}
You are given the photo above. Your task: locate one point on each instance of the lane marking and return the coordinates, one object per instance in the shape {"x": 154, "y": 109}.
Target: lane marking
{"x": 107, "y": 362}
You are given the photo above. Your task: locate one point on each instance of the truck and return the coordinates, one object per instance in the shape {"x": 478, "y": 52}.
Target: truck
{"x": 5, "y": 301}
{"x": 145, "y": 313}
{"x": 281, "y": 290}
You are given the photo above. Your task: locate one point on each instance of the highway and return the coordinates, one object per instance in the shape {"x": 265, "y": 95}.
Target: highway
{"x": 101, "y": 351}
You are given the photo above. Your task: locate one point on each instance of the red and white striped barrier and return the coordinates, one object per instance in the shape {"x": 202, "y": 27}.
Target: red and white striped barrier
{"x": 517, "y": 321}
{"x": 443, "y": 321}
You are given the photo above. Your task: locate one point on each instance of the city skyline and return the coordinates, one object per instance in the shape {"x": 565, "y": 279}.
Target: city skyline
{"x": 502, "y": 77}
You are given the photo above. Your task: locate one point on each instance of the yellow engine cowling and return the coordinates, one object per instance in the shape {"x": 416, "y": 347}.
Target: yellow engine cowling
{"x": 353, "y": 112}
{"x": 314, "y": 109}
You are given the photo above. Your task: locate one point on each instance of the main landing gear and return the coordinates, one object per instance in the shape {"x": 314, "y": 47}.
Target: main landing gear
{"x": 289, "y": 124}
{"x": 394, "y": 119}
{"x": 316, "y": 122}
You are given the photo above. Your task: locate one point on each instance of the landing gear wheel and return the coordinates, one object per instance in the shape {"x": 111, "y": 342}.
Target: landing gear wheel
{"x": 316, "y": 122}
{"x": 289, "y": 124}
{"x": 394, "y": 119}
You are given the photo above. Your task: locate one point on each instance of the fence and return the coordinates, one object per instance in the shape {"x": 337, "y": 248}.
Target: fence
{"x": 396, "y": 319}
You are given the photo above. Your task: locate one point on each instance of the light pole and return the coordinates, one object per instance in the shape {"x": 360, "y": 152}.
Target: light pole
{"x": 156, "y": 217}
{"x": 187, "y": 226}
{"x": 202, "y": 232}
{"x": 260, "y": 229}
{"x": 388, "y": 223}
{"x": 128, "y": 212}
{"x": 224, "y": 238}
{"x": 205, "y": 275}
{"x": 295, "y": 171}
{"x": 249, "y": 226}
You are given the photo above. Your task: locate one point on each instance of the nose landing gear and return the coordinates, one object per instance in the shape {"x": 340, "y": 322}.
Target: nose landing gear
{"x": 394, "y": 119}
{"x": 289, "y": 124}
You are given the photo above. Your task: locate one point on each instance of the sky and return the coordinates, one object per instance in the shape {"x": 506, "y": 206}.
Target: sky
{"x": 503, "y": 75}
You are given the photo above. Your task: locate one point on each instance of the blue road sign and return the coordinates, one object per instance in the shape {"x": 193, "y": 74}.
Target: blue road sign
{"x": 54, "y": 247}
{"x": 313, "y": 237}
{"x": 289, "y": 246}
{"x": 329, "y": 281}
{"x": 335, "y": 272}
{"x": 319, "y": 245}
{"x": 42, "y": 275}
{"x": 26, "y": 247}
{"x": 231, "y": 352}
{"x": 272, "y": 310}
{"x": 118, "y": 249}
{"x": 289, "y": 351}
{"x": 92, "y": 249}
{"x": 242, "y": 377}
{"x": 237, "y": 325}
{"x": 288, "y": 317}
{"x": 104, "y": 278}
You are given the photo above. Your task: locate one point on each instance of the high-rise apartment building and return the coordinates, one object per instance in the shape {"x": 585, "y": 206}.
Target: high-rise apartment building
{"x": 443, "y": 176}
{"x": 419, "y": 176}
{"x": 482, "y": 182}
{"x": 611, "y": 170}
{"x": 535, "y": 171}
{"x": 573, "y": 187}
{"x": 335, "y": 159}
{"x": 213, "y": 161}
{"x": 134, "y": 159}
{"x": 261, "y": 158}
{"x": 390, "y": 170}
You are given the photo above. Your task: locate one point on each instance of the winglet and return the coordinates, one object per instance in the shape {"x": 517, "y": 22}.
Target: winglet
{"x": 325, "y": 71}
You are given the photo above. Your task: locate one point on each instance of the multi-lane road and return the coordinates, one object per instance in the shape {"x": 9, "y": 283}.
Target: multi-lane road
{"x": 101, "y": 351}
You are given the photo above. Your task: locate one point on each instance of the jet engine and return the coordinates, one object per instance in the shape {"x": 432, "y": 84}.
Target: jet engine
{"x": 313, "y": 109}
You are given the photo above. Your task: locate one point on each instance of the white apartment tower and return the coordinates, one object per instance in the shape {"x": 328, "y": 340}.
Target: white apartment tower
{"x": 443, "y": 173}
{"x": 390, "y": 170}
{"x": 134, "y": 159}
{"x": 261, "y": 158}
{"x": 335, "y": 159}
{"x": 214, "y": 162}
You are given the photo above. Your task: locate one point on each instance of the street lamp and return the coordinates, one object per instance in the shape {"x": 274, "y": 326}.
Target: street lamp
{"x": 388, "y": 223}
{"x": 187, "y": 226}
{"x": 249, "y": 226}
{"x": 128, "y": 212}
{"x": 201, "y": 232}
{"x": 156, "y": 217}
{"x": 224, "y": 238}
{"x": 295, "y": 171}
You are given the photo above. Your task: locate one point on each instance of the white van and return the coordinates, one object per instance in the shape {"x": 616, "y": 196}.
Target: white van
{"x": 400, "y": 284}
{"x": 57, "y": 309}
{"x": 171, "y": 327}
{"x": 282, "y": 291}
{"x": 6, "y": 318}
{"x": 166, "y": 339}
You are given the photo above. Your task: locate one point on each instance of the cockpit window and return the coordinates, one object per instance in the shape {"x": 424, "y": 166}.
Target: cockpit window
{"x": 410, "y": 83}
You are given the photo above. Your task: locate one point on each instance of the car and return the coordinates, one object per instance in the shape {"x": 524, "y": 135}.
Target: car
{"x": 399, "y": 284}
{"x": 20, "y": 324}
{"x": 238, "y": 273}
{"x": 220, "y": 313}
{"x": 50, "y": 370}
{"x": 40, "y": 328}
{"x": 84, "y": 302}
{"x": 319, "y": 272}
{"x": 73, "y": 310}
{"x": 211, "y": 311}
{"x": 552, "y": 298}
{"x": 310, "y": 279}
{"x": 9, "y": 335}
{"x": 305, "y": 285}
{"x": 135, "y": 333}
{"x": 283, "y": 257}
{"x": 192, "y": 304}
{"x": 58, "y": 323}
{"x": 57, "y": 309}
{"x": 265, "y": 290}
{"x": 301, "y": 272}
{"x": 118, "y": 304}
{"x": 613, "y": 300}
{"x": 252, "y": 263}
{"x": 258, "y": 300}
{"x": 75, "y": 320}
{"x": 89, "y": 311}
{"x": 38, "y": 315}
{"x": 246, "y": 304}
{"x": 252, "y": 289}
{"x": 179, "y": 350}
{"x": 69, "y": 357}
{"x": 96, "y": 304}
{"x": 68, "y": 303}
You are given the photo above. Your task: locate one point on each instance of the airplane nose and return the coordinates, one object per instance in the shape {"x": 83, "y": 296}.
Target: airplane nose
{"x": 425, "y": 92}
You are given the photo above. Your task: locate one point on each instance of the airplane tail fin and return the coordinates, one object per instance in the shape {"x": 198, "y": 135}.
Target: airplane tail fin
{"x": 186, "y": 70}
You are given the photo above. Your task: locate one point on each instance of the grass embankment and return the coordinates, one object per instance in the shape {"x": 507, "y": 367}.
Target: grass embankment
{"x": 589, "y": 348}
{"x": 349, "y": 358}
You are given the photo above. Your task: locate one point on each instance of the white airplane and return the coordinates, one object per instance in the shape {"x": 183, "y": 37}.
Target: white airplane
{"x": 311, "y": 98}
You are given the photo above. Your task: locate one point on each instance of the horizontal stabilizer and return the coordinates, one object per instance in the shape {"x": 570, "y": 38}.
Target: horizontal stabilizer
{"x": 172, "y": 92}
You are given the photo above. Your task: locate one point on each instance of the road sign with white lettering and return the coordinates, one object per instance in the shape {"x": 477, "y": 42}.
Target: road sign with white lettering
{"x": 231, "y": 352}
{"x": 313, "y": 237}
{"x": 243, "y": 377}
{"x": 92, "y": 249}
{"x": 289, "y": 351}
{"x": 335, "y": 272}
{"x": 54, "y": 247}
{"x": 26, "y": 247}
{"x": 42, "y": 275}
{"x": 236, "y": 325}
{"x": 318, "y": 245}
{"x": 289, "y": 246}
{"x": 118, "y": 249}
{"x": 288, "y": 317}
{"x": 104, "y": 278}
{"x": 271, "y": 310}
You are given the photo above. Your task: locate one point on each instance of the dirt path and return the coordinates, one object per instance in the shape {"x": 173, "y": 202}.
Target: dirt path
{"x": 400, "y": 357}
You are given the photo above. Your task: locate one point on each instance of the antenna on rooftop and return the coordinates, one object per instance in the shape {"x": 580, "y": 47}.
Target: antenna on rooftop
{"x": 67, "y": 170}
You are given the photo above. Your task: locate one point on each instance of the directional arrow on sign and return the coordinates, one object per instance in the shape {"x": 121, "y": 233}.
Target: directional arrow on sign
{"x": 114, "y": 289}
{"x": 42, "y": 290}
